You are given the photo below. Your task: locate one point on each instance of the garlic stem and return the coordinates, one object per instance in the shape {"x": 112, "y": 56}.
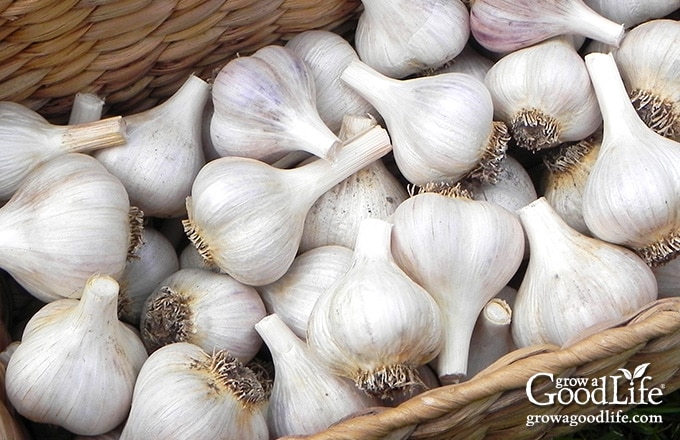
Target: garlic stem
{"x": 373, "y": 240}
{"x": 87, "y": 107}
{"x": 590, "y": 24}
{"x": 99, "y": 303}
{"x": 279, "y": 338}
{"x": 108, "y": 132}
{"x": 368, "y": 82}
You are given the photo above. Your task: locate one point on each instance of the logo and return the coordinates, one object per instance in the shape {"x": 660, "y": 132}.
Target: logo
{"x": 628, "y": 388}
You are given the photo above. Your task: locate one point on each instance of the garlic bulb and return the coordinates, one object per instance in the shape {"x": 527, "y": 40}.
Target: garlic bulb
{"x": 247, "y": 217}
{"x": 27, "y": 140}
{"x": 69, "y": 219}
{"x": 463, "y": 252}
{"x": 114, "y": 434}
{"x": 544, "y": 94}
{"x": 441, "y": 126}
{"x": 10, "y": 425}
{"x": 87, "y": 107}
{"x": 566, "y": 171}
{"x": 77, "y": 364}
{"x": 207, "y": 309}
{"x": 573, "y": 281}
{"x": 155, "y": 260}
{"x": 491, "y": 336}
{"x": 469, "y": 61}
{"x": 327, "y": 54}
{"x": 375, "y": 325}
{"x": 306, "y": 397}
{"x": 293, "y": 296}
{"x": 265, "y": 106}
{"x": 163, "y": 152}
{"x": 190, "y": 258}
{"x": 402, "y": 38}
{"x": 504, "y": 26}
{"x": 631, "y": 195}
{"x": 633, "y": 12}
{"x": 372, "y": 191}
{"x": 668, "y": 278}
{"x": 184, "y": 392}
{"x": 649, "y": 63}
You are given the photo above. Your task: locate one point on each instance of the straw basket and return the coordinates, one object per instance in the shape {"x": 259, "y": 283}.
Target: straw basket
{"x": 135, "y": 53}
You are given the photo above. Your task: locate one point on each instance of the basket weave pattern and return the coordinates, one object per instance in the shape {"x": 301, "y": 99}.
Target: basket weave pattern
{"x": 135, "y": 53}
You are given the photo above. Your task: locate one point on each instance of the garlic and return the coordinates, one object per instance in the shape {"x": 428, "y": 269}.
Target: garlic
{"x": 402, "y": 38}
{"x": 633, "y": 12}
{"x": 306, "y": 397}
{"x": 265, "y": 106}
{"x": 327, "y": 54}
{"x": 114, "y": 434}
{"x": 293, "y": 296}
{"x": 77, "y": 364}
{"x": 469, "y": 61}
{"x": 207, "y": 309}
{"x": 11, "y": 427}
{"x": 649, "y": 63}
{"x": 155, "y": 260}
{"x": 441, "y": 126}
{"x": 463, "y": 252}
{"x": 573, "y": 281}
{"x": 504, "y": 26}
{"x": 491, "y": 336}
{"x": 27, "y": 140}
{"x": 544, "y": 94}
{"x": 630, "y": 196}
{"x": 428, "y": 380}
{"x": 163, "y": 152}
{"x": 87, "y": 107}
{"x": 375, "y": 325}
{"x": 563, "y": 180}
{"x": 372, "y": 191}
{"x": 69, "y": 219}
{"x": 190, "y": 258}
{"x": 668, "y": 278}
{"x": 247, "y": 217}
{"x": 184, "y": 392}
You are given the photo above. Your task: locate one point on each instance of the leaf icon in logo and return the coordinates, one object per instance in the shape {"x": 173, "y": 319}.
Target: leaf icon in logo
{"x": 640, "y": 370}
{"x": 627, "y": 374}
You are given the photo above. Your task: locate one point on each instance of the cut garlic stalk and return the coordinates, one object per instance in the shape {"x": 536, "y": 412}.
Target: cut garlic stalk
{"x": 306, "y": 397}
{"x": 441, "y": 126}
{"x": 491, "y": 337}
{"x": 87, "y": 107}
{"x": 184, "y": 392}
{"x": 573, "y": 281}
{"x": 504, "y": 26}
{"x": 76, "y": 365}
{"x": 375, "y": 325}
{"x": 247, "y": 217}
{"x": 631, "y": 196}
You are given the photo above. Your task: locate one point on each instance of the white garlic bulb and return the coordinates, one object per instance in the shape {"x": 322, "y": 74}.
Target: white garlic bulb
{"x": 265, "y": 106}
{"x": 649, "y": 63}
{"x": 189, "y": 257}
{"x": 544, "y": 94}
{"x": 184, "y": 392}
{"x": 631, "y": 195}
{"x": 469, "y": 61}
{"x": 441, "y": 126}
{"x": 163, "y": 152}
{"x": 633, "y": 12}
{"x": 77, "y": 364}
{"x": 327, "y": 54}
{"x": 293, "y": 296}
{"x": 27, "y": 140}
{"x": 247, "y": 217}
{"x": 504, "y": 26}
{"x": 306, "y": 397}
{"x": 375, "y": 325}
{"x": 463, "y": 252}
{"x": 404, "y": 37}
{"x": 154, "y": 260}
{"x": 573, "y": 281}
{"x": 210, "y": 310}
{"x": 69, "y": 219}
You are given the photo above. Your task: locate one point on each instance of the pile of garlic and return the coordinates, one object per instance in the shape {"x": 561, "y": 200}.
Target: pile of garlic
{"x": 336, "y": 224}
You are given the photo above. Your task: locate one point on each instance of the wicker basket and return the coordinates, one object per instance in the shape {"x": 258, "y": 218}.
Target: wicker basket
{"x": 136, "y": 53}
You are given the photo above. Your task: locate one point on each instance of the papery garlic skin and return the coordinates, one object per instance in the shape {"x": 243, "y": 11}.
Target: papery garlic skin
{"x": 163, "y": 152}
{"x": 210, "y": 310}
{"x": 265, "y": 106}
{"x": 543, "y": 93}
{"x": 468, "y": 61}
{"x": 668, "y": 278}
{"x": 375, "y": 325}
{"x": 404, "y": 37}
{"x": 573, "y": 281}
{"x": 76, "y": 364}
{"x": 649, "y": 63}
{"x": 184, "y": 392}
{"x": 633, "y": 12}
{"x": 306, "y": 397}
{"x": 327, "y": 54}
{"x": 68, "y": 220}
{"x": 630, "y": 196}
